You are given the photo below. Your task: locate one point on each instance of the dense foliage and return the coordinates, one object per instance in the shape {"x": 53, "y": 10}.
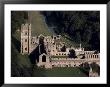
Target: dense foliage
{"x": 81, "y": 26}
{"x": 18, "y": 18}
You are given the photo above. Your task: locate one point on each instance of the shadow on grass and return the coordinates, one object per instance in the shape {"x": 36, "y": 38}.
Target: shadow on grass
{"x": 85, "y": 69}
{"x": 34, "y": 55}
{"x": 16, "y": 43}
{"x": 39, "y": 72}
{"x": 18, "y": 71}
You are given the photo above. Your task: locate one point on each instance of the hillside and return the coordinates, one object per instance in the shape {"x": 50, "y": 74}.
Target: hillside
{"x": 38, "y": 23}
{"x": 76, "y": 26}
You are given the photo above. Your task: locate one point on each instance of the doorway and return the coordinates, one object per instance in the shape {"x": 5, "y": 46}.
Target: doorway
{"x": 43, "y": 58}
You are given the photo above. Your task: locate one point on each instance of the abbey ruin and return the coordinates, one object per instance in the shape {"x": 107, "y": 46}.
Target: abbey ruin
{"x": 53, "y": 55}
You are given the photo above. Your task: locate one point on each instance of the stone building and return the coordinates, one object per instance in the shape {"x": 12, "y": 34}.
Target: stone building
{"x": 53, "y": 56}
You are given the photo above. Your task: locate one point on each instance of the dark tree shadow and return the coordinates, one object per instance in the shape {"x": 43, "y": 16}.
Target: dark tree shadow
{"x": 72, "y": 54}
{"x": 85, "y": 68}
{"x": 16, "y": 43}
{"x": 34, "y": 55}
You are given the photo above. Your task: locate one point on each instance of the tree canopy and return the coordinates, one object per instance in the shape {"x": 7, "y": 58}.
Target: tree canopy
{"x": 80, "y": 26}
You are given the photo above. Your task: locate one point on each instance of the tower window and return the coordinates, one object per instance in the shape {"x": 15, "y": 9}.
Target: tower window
{"x": 43, "y": 58}
{"x": 64, "y": 54}
{"x": 25, "y": 33}
{"x": 25, "y": 40}
{"x": 26, "y": 49}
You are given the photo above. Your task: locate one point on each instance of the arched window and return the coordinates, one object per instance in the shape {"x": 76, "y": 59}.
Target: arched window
{"x": 25, "y": 40}
{"x": 65, "y": 54}
{"x": 26, "y": 49}
{"x": 43, "y": 58}
{"x": 25, "y": 33}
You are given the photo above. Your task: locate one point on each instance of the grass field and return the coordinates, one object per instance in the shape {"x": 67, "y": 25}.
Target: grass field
{"x": 59, "y": 72}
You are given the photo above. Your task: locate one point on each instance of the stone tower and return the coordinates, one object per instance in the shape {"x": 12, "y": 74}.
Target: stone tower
{"x": 25, "y": 38}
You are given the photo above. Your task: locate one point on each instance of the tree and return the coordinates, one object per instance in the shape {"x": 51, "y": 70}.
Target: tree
{"x": 18, "y": 18}
{"x": 72, "y": 54}
{"x": 80, "y": 26}
{"x": 95, "y": 67}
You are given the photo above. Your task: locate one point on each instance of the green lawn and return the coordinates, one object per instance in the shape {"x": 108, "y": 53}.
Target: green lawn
{"x": 58, "y": 72}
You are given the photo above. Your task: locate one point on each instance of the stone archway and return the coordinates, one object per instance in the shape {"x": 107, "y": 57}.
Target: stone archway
{"x": 44, "y": 60}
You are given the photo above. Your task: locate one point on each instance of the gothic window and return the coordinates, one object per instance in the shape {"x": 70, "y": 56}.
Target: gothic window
{"x": 64, "y": 54}
{"x": 43, "y": 58}
{"x": 26, "y": 49}
{"x": 53, "y": 66}
{"x": 25, "y": 40}
{"x": 54, "y": 37}
{"x": 66, "y": 65}
{"x": 57, "y": 36}
{"x": 25, "y": 33}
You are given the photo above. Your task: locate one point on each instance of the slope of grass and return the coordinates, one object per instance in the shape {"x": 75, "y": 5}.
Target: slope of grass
{"x": 38, "y": 23}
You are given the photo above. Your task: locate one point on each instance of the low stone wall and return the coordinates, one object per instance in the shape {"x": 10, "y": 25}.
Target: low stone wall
{"x": 62, "y": 62}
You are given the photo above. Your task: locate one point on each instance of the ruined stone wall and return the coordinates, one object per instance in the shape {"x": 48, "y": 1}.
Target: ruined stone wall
{"x": 75, "y": 62}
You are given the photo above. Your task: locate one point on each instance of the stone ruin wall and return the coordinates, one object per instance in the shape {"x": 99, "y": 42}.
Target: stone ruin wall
{"x": 32, "y": 43}
{"x": 77, "y": 62}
